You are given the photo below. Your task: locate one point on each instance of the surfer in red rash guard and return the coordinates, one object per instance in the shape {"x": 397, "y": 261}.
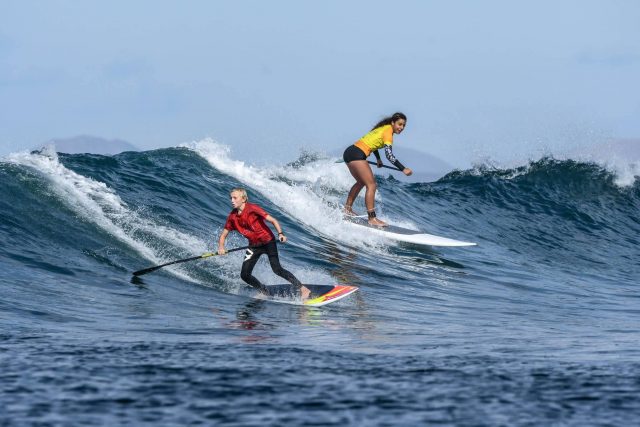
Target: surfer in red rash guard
{"x": 249, "y": 220}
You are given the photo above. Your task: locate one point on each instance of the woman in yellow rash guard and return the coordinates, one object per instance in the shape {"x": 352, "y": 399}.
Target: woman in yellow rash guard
{"x": 355, "y": 156}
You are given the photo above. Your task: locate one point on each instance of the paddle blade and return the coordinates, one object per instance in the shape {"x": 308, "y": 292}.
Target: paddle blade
{"x": 146, "y": 270}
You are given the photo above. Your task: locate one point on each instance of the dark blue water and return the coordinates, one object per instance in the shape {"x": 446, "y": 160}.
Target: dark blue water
{"x": 537, "y": 325}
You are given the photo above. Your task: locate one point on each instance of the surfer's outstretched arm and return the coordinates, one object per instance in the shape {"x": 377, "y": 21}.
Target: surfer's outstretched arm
{"x": 278, "y": 228}
{"x": 388, "y": 151}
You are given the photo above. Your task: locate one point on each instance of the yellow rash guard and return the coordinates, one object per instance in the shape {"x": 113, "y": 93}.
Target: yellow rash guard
{"x": 376, "y": 139}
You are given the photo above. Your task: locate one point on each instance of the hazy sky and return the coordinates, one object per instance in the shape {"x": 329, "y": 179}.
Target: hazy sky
{"x": 476, "y": 78}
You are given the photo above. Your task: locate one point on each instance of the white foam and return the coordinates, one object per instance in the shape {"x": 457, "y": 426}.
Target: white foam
{"x": 619, "y": 156}
{"x": 626, "y": 173}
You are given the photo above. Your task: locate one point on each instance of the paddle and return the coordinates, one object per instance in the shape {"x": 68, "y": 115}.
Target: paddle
{"x": 205, "y": 255}
{"x": 374, "y": 163}
{"x": 385, "y": 166}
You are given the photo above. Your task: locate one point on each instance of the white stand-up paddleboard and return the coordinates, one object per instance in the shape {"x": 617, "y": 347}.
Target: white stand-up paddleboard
{"x": 402, "y": 234}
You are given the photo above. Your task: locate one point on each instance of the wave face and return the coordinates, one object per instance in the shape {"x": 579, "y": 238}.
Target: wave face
{"x": 539, "y": 322}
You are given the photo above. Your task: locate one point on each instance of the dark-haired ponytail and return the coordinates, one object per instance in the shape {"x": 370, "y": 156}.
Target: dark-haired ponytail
{"x": 388, "y": 120}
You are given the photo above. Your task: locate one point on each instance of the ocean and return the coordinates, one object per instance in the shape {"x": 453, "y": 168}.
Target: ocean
{"x": 537, "y": 325}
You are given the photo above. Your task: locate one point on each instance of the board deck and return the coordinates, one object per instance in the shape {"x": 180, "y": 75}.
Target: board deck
{"x": 402, "y": 234}
{"x": 320, "y": 294}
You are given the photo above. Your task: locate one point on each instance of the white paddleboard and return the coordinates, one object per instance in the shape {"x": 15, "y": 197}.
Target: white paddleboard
{"x": 402, "y": 234}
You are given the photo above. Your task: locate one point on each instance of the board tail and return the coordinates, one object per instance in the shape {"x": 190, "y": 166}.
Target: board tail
{"x": 320, "y": 294}
{"x": 338, "y": 292}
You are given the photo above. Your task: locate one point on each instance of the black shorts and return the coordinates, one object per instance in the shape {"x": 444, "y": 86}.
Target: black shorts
{"x": 353, "y": 153}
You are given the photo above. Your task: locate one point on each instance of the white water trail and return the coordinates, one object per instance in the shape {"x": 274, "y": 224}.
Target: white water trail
{"x": 311, "y": 194}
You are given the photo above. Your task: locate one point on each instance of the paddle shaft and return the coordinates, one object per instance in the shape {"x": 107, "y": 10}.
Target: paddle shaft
{"x": 205, "y": 255}
{"x": 386, "y": 166}
{"x": 374, "y": 163}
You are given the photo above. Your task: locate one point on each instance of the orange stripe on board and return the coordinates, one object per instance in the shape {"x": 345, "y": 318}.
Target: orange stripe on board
{"x": 338, "y": 291}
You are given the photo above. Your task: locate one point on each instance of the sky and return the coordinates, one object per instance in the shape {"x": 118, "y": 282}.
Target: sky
{"x": 490, "y": 79}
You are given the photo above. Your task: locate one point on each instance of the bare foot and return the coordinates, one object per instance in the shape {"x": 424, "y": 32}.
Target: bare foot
{"x": 305, "y": 292}
{"x": 377, "y": 222}
{"x": 349, "y": 212}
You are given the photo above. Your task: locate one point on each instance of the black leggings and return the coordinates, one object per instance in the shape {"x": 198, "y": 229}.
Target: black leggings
{"x": 251, "y": 258}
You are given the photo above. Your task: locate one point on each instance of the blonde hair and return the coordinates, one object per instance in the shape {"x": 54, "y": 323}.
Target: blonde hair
{"x": 242, "y": 191}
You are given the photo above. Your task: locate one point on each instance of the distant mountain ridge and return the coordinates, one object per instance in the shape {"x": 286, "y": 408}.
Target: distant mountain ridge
{"x": 91, "y": 144}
